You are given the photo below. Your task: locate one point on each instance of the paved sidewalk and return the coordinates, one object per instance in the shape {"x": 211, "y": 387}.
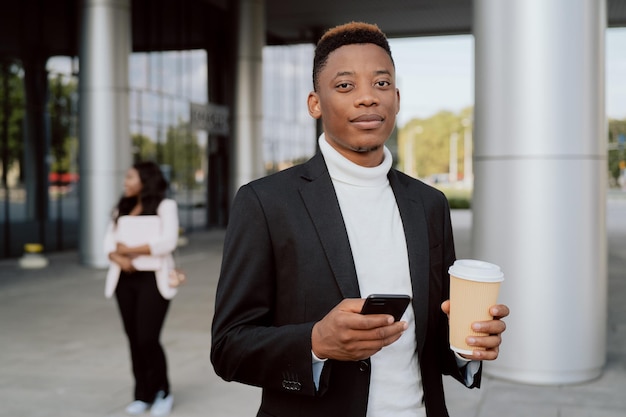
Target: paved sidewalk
{"x": 63, "y": 351}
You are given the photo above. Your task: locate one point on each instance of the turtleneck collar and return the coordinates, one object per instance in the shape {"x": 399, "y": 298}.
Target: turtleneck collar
{"x": 342, "y": 169}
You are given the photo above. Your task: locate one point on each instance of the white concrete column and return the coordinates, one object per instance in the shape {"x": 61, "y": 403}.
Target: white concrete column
{"x": 248, "y": 149}
{"x": 540, "y": 182}
{"x": 105, "y": 146}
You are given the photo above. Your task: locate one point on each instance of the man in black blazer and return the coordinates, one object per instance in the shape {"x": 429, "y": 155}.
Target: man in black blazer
{"x": 297, "y": 261}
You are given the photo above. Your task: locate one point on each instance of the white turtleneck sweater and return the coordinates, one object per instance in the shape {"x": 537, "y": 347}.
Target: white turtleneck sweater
{"x": 378, "y": 245}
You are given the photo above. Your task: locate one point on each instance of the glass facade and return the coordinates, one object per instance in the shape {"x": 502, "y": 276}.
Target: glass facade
{"x": 13, "y": 194}
{"x": 62, "y": 130}
{"x": 38, "y": 204}
{"x": 162, "y": 86}
{"x": 44, "y": 207}
{"x": 289, "y": 132}
{"x": 37, "y": 208}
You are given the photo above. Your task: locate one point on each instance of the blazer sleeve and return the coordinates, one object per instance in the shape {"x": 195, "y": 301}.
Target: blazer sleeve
{"x": 109, "y": 239}
{"x": 167, "y": 240}
{"x": 247, "y": 344}
{"x": 450, "y": 365}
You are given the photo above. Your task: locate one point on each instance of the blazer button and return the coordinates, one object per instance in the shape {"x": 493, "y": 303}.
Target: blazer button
{"x": 364, "y": 366}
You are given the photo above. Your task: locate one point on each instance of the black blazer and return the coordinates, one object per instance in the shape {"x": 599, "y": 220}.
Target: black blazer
{"x": 287, "y": 262}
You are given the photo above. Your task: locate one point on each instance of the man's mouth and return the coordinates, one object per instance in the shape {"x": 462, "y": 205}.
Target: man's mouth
{"x": 368, "y": 121}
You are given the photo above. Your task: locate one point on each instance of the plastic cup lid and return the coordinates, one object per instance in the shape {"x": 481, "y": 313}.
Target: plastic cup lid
{"x": 474, "y": 270}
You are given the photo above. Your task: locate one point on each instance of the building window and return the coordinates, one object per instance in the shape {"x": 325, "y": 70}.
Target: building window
{"x": 12, "y": 114}
{"x": 162, "y": 86}
{"x": 289, "y": 132}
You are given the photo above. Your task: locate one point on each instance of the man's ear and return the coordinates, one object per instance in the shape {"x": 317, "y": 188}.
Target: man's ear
{"x": 398, "y": 105}
{"x": 313, "y": 104}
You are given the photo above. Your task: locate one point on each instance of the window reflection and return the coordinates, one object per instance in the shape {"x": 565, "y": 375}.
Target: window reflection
{"x": 162, "y": 86}
{"x": 12, "y": 105}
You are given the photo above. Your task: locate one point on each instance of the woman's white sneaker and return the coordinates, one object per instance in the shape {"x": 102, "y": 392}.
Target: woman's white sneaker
{"x": 137, "y": 407}
{"x": 162, "y": 405}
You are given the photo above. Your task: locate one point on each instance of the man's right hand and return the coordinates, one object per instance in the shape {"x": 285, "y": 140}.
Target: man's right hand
{"x": 345, "y": 335}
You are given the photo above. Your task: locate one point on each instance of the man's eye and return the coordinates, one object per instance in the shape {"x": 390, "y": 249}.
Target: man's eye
{"x": 383, "y": 83}
{"x": 343, "y": 85}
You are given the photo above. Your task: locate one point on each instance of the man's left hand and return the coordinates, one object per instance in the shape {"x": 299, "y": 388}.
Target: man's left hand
{"x": 493, "y": 328}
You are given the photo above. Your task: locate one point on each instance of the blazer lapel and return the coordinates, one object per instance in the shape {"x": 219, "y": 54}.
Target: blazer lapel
{"x": 321, "y": 202}
{"x": 416, "y": 234}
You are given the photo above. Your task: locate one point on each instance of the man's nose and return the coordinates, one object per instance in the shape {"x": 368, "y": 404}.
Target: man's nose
{"x": 366, "y": 97}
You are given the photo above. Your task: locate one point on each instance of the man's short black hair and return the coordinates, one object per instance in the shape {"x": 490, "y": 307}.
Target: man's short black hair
{"x": 347, "y": 34}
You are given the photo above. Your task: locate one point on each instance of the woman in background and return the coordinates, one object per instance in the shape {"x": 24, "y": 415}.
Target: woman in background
{"x": 143, "y": 296}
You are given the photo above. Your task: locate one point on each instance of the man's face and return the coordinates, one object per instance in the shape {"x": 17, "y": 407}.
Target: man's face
{"x": 357, "y": 100}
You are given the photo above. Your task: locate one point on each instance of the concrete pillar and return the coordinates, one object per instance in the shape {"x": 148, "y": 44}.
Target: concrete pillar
{"x": 248, "y": 149}
{"x": 105, "y": 146}
{"x": 221, "y": 64}
{"x": 540, "y": 182}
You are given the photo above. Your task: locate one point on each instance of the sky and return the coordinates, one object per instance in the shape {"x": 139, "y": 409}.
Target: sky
{"x": 433, "y": 74}
{"x": 439, "y": 73}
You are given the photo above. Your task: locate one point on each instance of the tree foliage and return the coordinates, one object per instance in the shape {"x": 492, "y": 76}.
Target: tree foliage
{"x": 427, "y": 142}
{"x": 61, "y": 111}
{"x": 183, "y": 155}
{"x": 180, "y": 155}
{"x": 12, "y": 113}
{"x": 144, "y": 149}
{"x": 617, "y": 151}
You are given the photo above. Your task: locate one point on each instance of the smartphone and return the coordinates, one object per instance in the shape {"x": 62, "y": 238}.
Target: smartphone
{"x": 393, "y": 304}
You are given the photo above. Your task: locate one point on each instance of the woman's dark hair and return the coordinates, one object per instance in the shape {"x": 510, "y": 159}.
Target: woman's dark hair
{"x": 153, "y": 189}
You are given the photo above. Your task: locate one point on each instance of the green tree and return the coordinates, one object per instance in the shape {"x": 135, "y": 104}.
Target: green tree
{"x": 144, "y": 149}
{"x": 427, "y": 142}
{"x": 617, "y": 153}
{"x": 12, "y": 105}
{"x": 63, "y": 146}
{"x": 183, "y": 155}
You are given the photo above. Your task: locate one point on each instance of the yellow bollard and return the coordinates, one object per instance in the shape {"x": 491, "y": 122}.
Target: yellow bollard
{"x": 33, "y": 257}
